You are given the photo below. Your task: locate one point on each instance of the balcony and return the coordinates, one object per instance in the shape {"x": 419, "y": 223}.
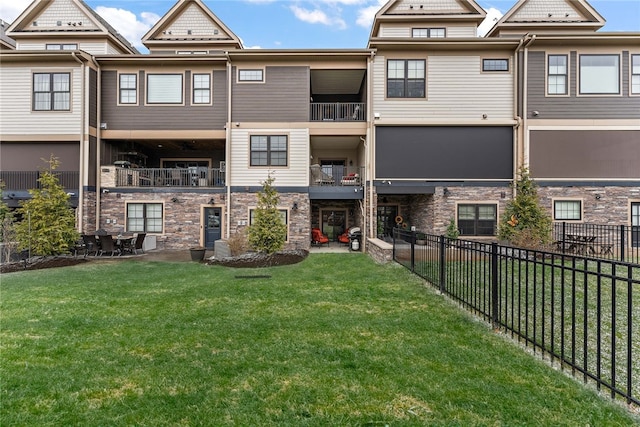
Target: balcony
{"x": 337, "y": 111}
{"x": 336, "y": 176}
{"x": 167, "y": 177}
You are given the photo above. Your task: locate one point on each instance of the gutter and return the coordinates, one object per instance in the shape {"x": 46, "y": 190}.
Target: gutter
{"x": 227, "y": 147}
{"x": 83, "y": 148}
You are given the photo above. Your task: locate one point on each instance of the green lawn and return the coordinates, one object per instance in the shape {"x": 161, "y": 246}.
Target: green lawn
{"x": 335, "y": 340}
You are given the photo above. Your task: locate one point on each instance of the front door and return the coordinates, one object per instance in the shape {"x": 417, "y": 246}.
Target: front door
{"x": 213, "y": 226}
{"x": 635, "y": 224}
{"x": 333, "y": 223}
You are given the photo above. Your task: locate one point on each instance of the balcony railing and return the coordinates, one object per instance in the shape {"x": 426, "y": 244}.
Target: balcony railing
{"x": 169, "y": 177}
{"x": 28, "y": 180}
{"x": 336, "y": 176}
{"x": 337, "y": 111}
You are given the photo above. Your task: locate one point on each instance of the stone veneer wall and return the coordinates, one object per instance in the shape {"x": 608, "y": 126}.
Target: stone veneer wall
{"x": 380, "y": 251}
{"x": 88, "y": 220}
{"x": 612, "y": 208}
{"x": 299, "y": 223}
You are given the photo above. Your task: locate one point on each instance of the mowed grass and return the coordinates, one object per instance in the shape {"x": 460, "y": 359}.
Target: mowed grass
{"x": 336, "y": 340}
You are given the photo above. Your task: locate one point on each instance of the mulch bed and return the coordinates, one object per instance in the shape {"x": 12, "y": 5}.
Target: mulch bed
{"x": 37, "y": 263}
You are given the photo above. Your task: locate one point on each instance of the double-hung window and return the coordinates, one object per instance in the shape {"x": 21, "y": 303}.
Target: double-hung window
{"x": 406, "y": 78}
{"x": 599, "y": 74}
{"x": 250, "y": 75}
{"x": 477, "y": 219}
{"x": 557, "y": 75}
{"x": 144, "y": 217}
{"x": 51, "y": 91}
{"x": 427, "y": 32}
{"x": 635, "y": 74}
{"x": 268, "y": 150}
{"x": 201, "y": 88}
{"x": 164, "y": 88}
{"x": 567, "y": 210}
{"x": 128, "y": 88}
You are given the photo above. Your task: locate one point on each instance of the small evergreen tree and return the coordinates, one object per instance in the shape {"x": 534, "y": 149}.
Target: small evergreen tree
{"x": 268, "y": 231}
{"x": 524, "y": 222}
{"x": 48, "y": 223}
{"x": 452, "y": 230}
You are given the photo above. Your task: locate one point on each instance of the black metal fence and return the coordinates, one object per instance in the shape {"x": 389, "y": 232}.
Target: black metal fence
{"x": 619, "y": 242}
{"x": 581, "y": 311}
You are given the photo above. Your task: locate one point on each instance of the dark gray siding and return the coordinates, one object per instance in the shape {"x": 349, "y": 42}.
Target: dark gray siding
{"x": 27, "y": 156}
{"x": 585, "y": 154}
{"x": 93, "y": 164}
{"x": 283, "y": 97}
{"x": 444, "y": 152}
{"x": 93, "y": 98}
{"x": 163, "y": 117}
{"x": 578, "y": 107}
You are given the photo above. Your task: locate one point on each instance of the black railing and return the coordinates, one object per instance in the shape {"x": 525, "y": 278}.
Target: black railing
{"x": 338, "y": 111}
{"x": 169, "y": 177}
{"x": 619, "y": 242}
{"x": 581, "y": 311}
{"x": 336, "y": 176}
{"x": 28, "y": 180}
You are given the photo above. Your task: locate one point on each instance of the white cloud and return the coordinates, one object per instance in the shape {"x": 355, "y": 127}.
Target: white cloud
{"x": 128, "y": 24}
{"x": 367, "y": 14}
{"x": 11, "y": 9}
{"x": 493, "y": 16}
{"x": 317, "y": 17}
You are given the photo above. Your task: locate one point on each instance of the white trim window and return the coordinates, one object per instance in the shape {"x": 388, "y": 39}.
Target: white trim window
{"x": 599, "y": 74}
{"x": 164, "y": 88}
{"x": 128, "y": 90}
{"x": 495, "y": 64}
{"x": 62, "y": 46}
{"x": 51, "y": 91}
{"x": 268, "y": 150}
{"x": 201, "y": 88}
{"x": 431, "y": 33}
{"x": 251, "y": 75}
{"x": 557, "y": 74}
{"x": 477, "y": 219}
{"x": 567, "y": 210}
{"x": 144, "y": 217}
{"x": 406, "y": 78}
{"x": 635, "y": 74}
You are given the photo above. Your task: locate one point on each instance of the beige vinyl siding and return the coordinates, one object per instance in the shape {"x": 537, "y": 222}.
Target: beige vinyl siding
{"x": 404, "y": 29}
{"x": 64, "y": 11}
{"x": 16, "y": 116}
{"x": 96, "y": 48}
{"x": 294, "y": 174}
{"x": 462, "y": 31}
{"x": 394, "y": 30}
{"x": 456, "y": 89}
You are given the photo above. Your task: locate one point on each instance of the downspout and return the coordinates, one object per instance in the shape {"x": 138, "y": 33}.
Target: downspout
{"x": 83, "y": 153}
{"x": 98, "y": 141}
{"x": 517, "y": 127}
{"x": 525, "y": 75}
{"x": 227, "y": 148}
{"x": 369, "y": 148}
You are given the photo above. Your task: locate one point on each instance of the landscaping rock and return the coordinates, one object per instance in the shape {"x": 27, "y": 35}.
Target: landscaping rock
{"x": 257, "y": 260}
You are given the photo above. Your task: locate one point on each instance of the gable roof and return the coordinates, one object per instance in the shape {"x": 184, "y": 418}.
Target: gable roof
{"x": 6, "y": 42}
{"x": 549, "y": 15}
{"x": 427, "y": 11}
{"x": 191, "y": 24}
{"x": 69, "y": 17}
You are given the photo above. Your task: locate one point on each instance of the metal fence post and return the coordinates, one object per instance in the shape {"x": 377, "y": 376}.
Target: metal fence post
{"x": 413, "y": 251}
{"x": 494, "y": 284}
{"x": 443, "y": 260}
{"x": 623, "y": 242}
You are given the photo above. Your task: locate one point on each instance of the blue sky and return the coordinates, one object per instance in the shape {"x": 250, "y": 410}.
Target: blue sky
{"x": 294, "y": 24}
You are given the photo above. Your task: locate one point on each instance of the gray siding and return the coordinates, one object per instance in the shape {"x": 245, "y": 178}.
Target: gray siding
{"x": 578, "y": 107}
{"x": 283, "y": 97}
{"x": 93, "y": 98}
{"x": 178, "y": 117}
{"x": 444, "y": 153}
{"x": 586, "y": 154}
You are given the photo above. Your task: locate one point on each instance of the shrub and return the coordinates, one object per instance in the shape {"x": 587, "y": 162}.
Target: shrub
{"x": 452, "y": 231}
{"x": 238, "y": 243}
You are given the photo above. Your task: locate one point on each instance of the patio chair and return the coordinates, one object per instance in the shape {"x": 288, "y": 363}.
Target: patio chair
{"x": 344, "y": 237}
{"x": 320, "y": 178}
{"x": 107, "y": 244}
{"x": 91, "y": 244}
{"x": 317, "y": 238}
{"x": 137, "y": 245}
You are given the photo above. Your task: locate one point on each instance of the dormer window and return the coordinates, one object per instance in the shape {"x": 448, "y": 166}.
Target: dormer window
{"x": 428, "y": 33}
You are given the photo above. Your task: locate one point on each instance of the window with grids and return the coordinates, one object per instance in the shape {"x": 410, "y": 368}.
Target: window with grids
{"x": 406, "y": 78}
{"x": 63, "y": 46}
{"x": 250, "y": 75}
{"x": 567, "y": 210}
{"x": 427, "y": 32}
{"x": 268, "y": 150}
{"x": 599, "y": 74}
{"x": 635, "y": 74}
{"x": 164, "y": 88}
{"x": 201, "y": 89}
{"x": 128, "y": 88}
{"x": 495, "y": 65}
{"x": 284, "y": 214}
{"x": 477, "y": 219}
{"x": 144, "y": 217}
{"x": 51, "y": 91}
{"x": 557, "y": 74}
